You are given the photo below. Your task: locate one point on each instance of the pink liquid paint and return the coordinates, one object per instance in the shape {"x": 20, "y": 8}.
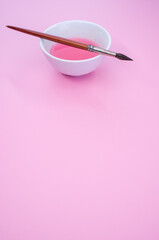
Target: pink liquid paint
{"x": 71, "y": 53}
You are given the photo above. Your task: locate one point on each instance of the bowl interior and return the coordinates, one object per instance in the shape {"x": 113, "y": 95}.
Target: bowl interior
{"x": 81, "y": 29}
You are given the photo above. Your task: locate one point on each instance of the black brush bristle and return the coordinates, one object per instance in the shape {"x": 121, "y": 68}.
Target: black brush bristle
{"x": 122, "y": 57}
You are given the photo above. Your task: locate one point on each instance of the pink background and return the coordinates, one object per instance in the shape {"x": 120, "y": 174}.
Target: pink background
{"x": 79, "y": 157}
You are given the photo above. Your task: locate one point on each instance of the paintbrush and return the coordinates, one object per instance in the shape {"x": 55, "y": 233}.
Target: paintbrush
{"x": 72, "y": 43}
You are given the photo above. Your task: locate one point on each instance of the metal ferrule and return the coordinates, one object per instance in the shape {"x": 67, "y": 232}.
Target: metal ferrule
{"x": 100, "y": 50}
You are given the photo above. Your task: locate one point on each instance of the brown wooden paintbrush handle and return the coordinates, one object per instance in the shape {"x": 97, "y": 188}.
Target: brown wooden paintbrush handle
{"x": 51, "y": 38}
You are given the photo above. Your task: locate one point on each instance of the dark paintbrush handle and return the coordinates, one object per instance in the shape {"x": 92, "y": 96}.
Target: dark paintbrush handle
{"x": 52, "y": 38}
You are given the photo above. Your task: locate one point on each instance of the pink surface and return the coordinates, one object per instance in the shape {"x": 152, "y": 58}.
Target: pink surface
{"x": 72, "y": 53}
{"x": 79, "y": 157}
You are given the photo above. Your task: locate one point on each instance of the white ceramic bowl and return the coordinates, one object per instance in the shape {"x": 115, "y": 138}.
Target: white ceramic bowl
{"x": 81, "y": 29}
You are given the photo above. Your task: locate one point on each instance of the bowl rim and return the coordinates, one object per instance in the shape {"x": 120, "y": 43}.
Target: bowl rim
{"x": 74, "y": 61}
